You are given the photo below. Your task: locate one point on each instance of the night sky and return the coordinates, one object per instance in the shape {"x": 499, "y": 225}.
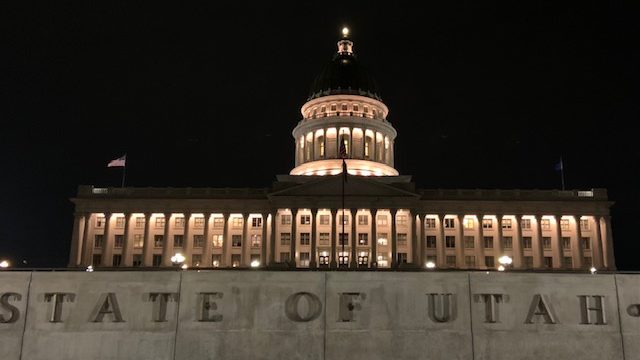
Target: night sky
{"x": 482, "y": 96}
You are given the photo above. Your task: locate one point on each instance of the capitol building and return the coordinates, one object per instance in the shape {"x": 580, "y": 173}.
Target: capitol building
{"x": 316, "y": 217}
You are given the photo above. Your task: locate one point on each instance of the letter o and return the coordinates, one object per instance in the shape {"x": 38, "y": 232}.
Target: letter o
{"x": 291, "y": 307}
{"x": 634, "y": 310}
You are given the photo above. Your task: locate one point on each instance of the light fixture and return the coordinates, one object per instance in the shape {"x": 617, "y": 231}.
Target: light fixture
{"x": 501, "y": 268}
{"x": 505, "y": 260}
{"x": 345, "y": 31}
{"x": 4, "y": 264}
{"x": 430, "y": 265}
{"x": 89, "y": 268}
{"x": 255, "y": 263}
{"x": 593, "y": 270}
{"x": 177, "y": 258}
{"x": 184, "y": 267}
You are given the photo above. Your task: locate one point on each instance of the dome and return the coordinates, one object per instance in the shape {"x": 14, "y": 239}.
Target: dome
{"x": 344, "y": 75}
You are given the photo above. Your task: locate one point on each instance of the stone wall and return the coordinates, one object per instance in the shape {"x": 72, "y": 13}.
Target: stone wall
{"x": 318, "y": 315}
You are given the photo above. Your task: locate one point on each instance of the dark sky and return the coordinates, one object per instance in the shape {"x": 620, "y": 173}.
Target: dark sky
{"x": 482, "y": 96}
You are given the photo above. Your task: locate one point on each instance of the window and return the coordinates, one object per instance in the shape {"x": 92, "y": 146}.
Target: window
{"x": 343, "y": 258}
{"x": 343, "y": 219}
{"x": 470, "y": 261}
{"x": 235, "y": 260}
{"x": 363, "y": 258}
{"x": 100, "y": 221}
{"x": 401, "y": 220}
{"x": 584, "y": 225}
{"x": 586, "y": 243}
{"x": 198, "y": 241}
{"x": 469, "y": 242}
{"x": 506, "y": 224}
{"x": 383, "y": 220}
{"x": 284, "y": 256}
{"x": 99, "y": 241}
{"x": 545, "y": 224}
{"x": 489, "y": 261}
{"x": 304, "y": 259}
{"x": 97, "y": 260}
{"x": 468, "y": 223}
{"x": 256, "y": 240}
{"x": 548, "y": 262}
{"x": 507, "y": 242}
{"x": 526, "y": 224}
{"x": 566, "y": 242}
{"x": 363, "y": 239}
{"x": 363, "y": 220}
{"x": 179, "y": 222}
{"x": 138, "y": 241}
{"x": 198, "y": 223}
{"x": 355, "y": 107}
{"x": 137, "y": 260}
{"x": 236, "y": 240}
{"x": 158, "y": 241}
{"x": 344, "y": 107}
{"x": 402, "y": 258}
{"x": 305, "y": 219}
{"x": 236, "y": 222}
{"x": 320, "y": 140}
{"x": 343, "y": 239}
{"x": 157, "y": 260}
{"x": 160, "y": 222}
{"x": 402, "y": 239}
{"x": 216, "y": 260}
{"x": 449, "y": 223}
{"x": 450, "y": 242}
{"x": 140, "y": 222}
{"x": 366, "y": 109}
{"x": 324, "y": 219}
{"x": 120, "y": 222}
{"x": 564, "y": 224}
{"x": 196, "y": 259}
{"x": 305, "y": 238}
{"x": 216, "y": 241}
{"x": 567, "y": 262}
{"x": 383, "y": 261}
{"x": 333, "y": 107}
{"x": 178, "y": 241}
{"x": 430, "y": 223}
{"x": 324, "y": 238}
{"x": 431, "y": 242}
{"x": 488, "y": 242}
{"x": 450, "y": 260}
{"x": 528, "y": 262}
{"x": 218, "y": 222}
{"x": 383, "y": 239}
{"x": 526, "y": 242}
{"x": 323, "y": 259}
{"x": 256, "y": 222}
{"x": 487, "y": 223}
{"x": 285, "y": 238}
{"x": 117, "y": 260}
{"x": 323, "y": 109}
{"x": 285, "y": 219}
{"x": 118, "y": 241}
{"x": 587, "y": 262}
{"x": 546, "y": 242}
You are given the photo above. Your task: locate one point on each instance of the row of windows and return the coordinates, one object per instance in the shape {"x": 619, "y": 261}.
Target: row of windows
{"x": 322, "y": 110}
{"x": 490, "y": 261}
{"x": 525, "y": 224}
{"x": 507, "y": 242}
{"x": 178, "y": 241}
{"x": 198, "y": 222}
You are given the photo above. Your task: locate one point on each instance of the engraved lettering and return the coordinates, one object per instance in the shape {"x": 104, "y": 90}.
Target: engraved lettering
{"x": 349, "y": 302}
{"x": 14, "y": 313}
{"x": 208, "y": 305}
{"x": 441, "y": 307}
{"x": 313, "y": 305}
{"x": 587, "y": 307}
{"x": 107, "y": 305}
{"x": 56, "y": 299}
{"x": 160, "y": 301}
{"x": 540, "y": 307}
{"x": 491, "y": 310}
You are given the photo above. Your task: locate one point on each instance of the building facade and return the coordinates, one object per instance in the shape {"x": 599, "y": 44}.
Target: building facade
{"x": 316, "y": 218}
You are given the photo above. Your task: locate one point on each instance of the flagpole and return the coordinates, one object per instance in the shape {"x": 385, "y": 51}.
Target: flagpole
{"x": 344, "y": 168}
{"x": 562, "y": 172}
{"x": 124, "y": 170}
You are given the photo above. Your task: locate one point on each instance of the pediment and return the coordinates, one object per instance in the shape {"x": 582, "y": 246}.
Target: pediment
{"x": 358, "y": 186}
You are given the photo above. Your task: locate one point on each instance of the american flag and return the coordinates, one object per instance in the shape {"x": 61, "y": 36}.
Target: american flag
{"x": 343, "y": 149}
{"x": 119, "y": 162}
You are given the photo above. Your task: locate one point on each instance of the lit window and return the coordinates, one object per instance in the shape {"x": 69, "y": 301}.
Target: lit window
{"x": 506, "y": 224}
{"x": 216, "y": 260}
{"x": 363, "y": 258}
{"x": 179, "y": 222}
{"x": 324, "y": 258}
{"x": 305, "y": 219}
{"x": 324, "y": 219}
{"x": 343, "y": 258}
{"x": 256, "y": 240}
{"x": 584, "y": 225}
{"x": 216, "y": 241}
{"x": 383, "y": 261}
{"x": 564, "y": 224}
{"x": 235, "y": 260}
{"x": 196, "y": 259}
{"x": 363, "y": 239}
{"x": 160, "y": 222}
{"x": 545, "y": 224}
{"x": 305, "y": 238}
{"x": 401, "y": 220}
{"x": 382, "y": 239}
{"x": 285, "y": 239}
{"x": 100, "y": 221}
{"x": 138, "y": 241}
{"x": 236, "y": 222}
{"x": 218, "y": 222}
{"x": 468, "y": 223}
{"x": 198, "y": 222}
{"x": 140, "y": 222}
{"x": 363, "y": 220}
{"x": 343, "y": 219}
{"x": 487, "y": 223}
{"x": 383, "y": 220}
{"x": 120, "y": 222}
{"x": 304, "y": 259}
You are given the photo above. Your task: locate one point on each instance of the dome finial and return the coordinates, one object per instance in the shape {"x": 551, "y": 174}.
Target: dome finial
{"x": 345, "y": 45}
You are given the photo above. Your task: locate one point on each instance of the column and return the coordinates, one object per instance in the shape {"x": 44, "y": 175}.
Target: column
{"x": 334, "y": 248}
{"x": 246, "y": 248}
{"x": 394, "y": 238}
{"x": 460, "y": 263}
{"x": 350, "y": 143}
{"x": 538, "y": 248}
{"x": 420, "y": 238}
{"x": 480, "y": 262}
{"x": 324, "y": 140}
{"x": 263, "y": 241}
{"x": 107, "y": 243}
{"x": 207, "y": 255}
{"x": 374, "y": 238}
{"x": 294, "y": 237}
{"x": 518, "y": 251}
{"x": 354, "y": 241}
{"x": 596, "y": 244}
{"x": 188, "y": 239}
{"x": 147, "y": 247}
{"x": 499, "y": 245}
{"x": 312, "y": 261}
{"x": 556, "y": 246}
{"x": 87, "y": 242}
{"x": 76, "y": 245}
{"x": 414, "y": 234}
{"x": 127, "y": 250}
{"x": 226, "y": 241}
{"x": 609, "y": 258}
{"x": 272, "y": 236}
{"x": 167, "y": 243}
{"x": 440, "y": 257}
{"x": 577, "y": 250}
